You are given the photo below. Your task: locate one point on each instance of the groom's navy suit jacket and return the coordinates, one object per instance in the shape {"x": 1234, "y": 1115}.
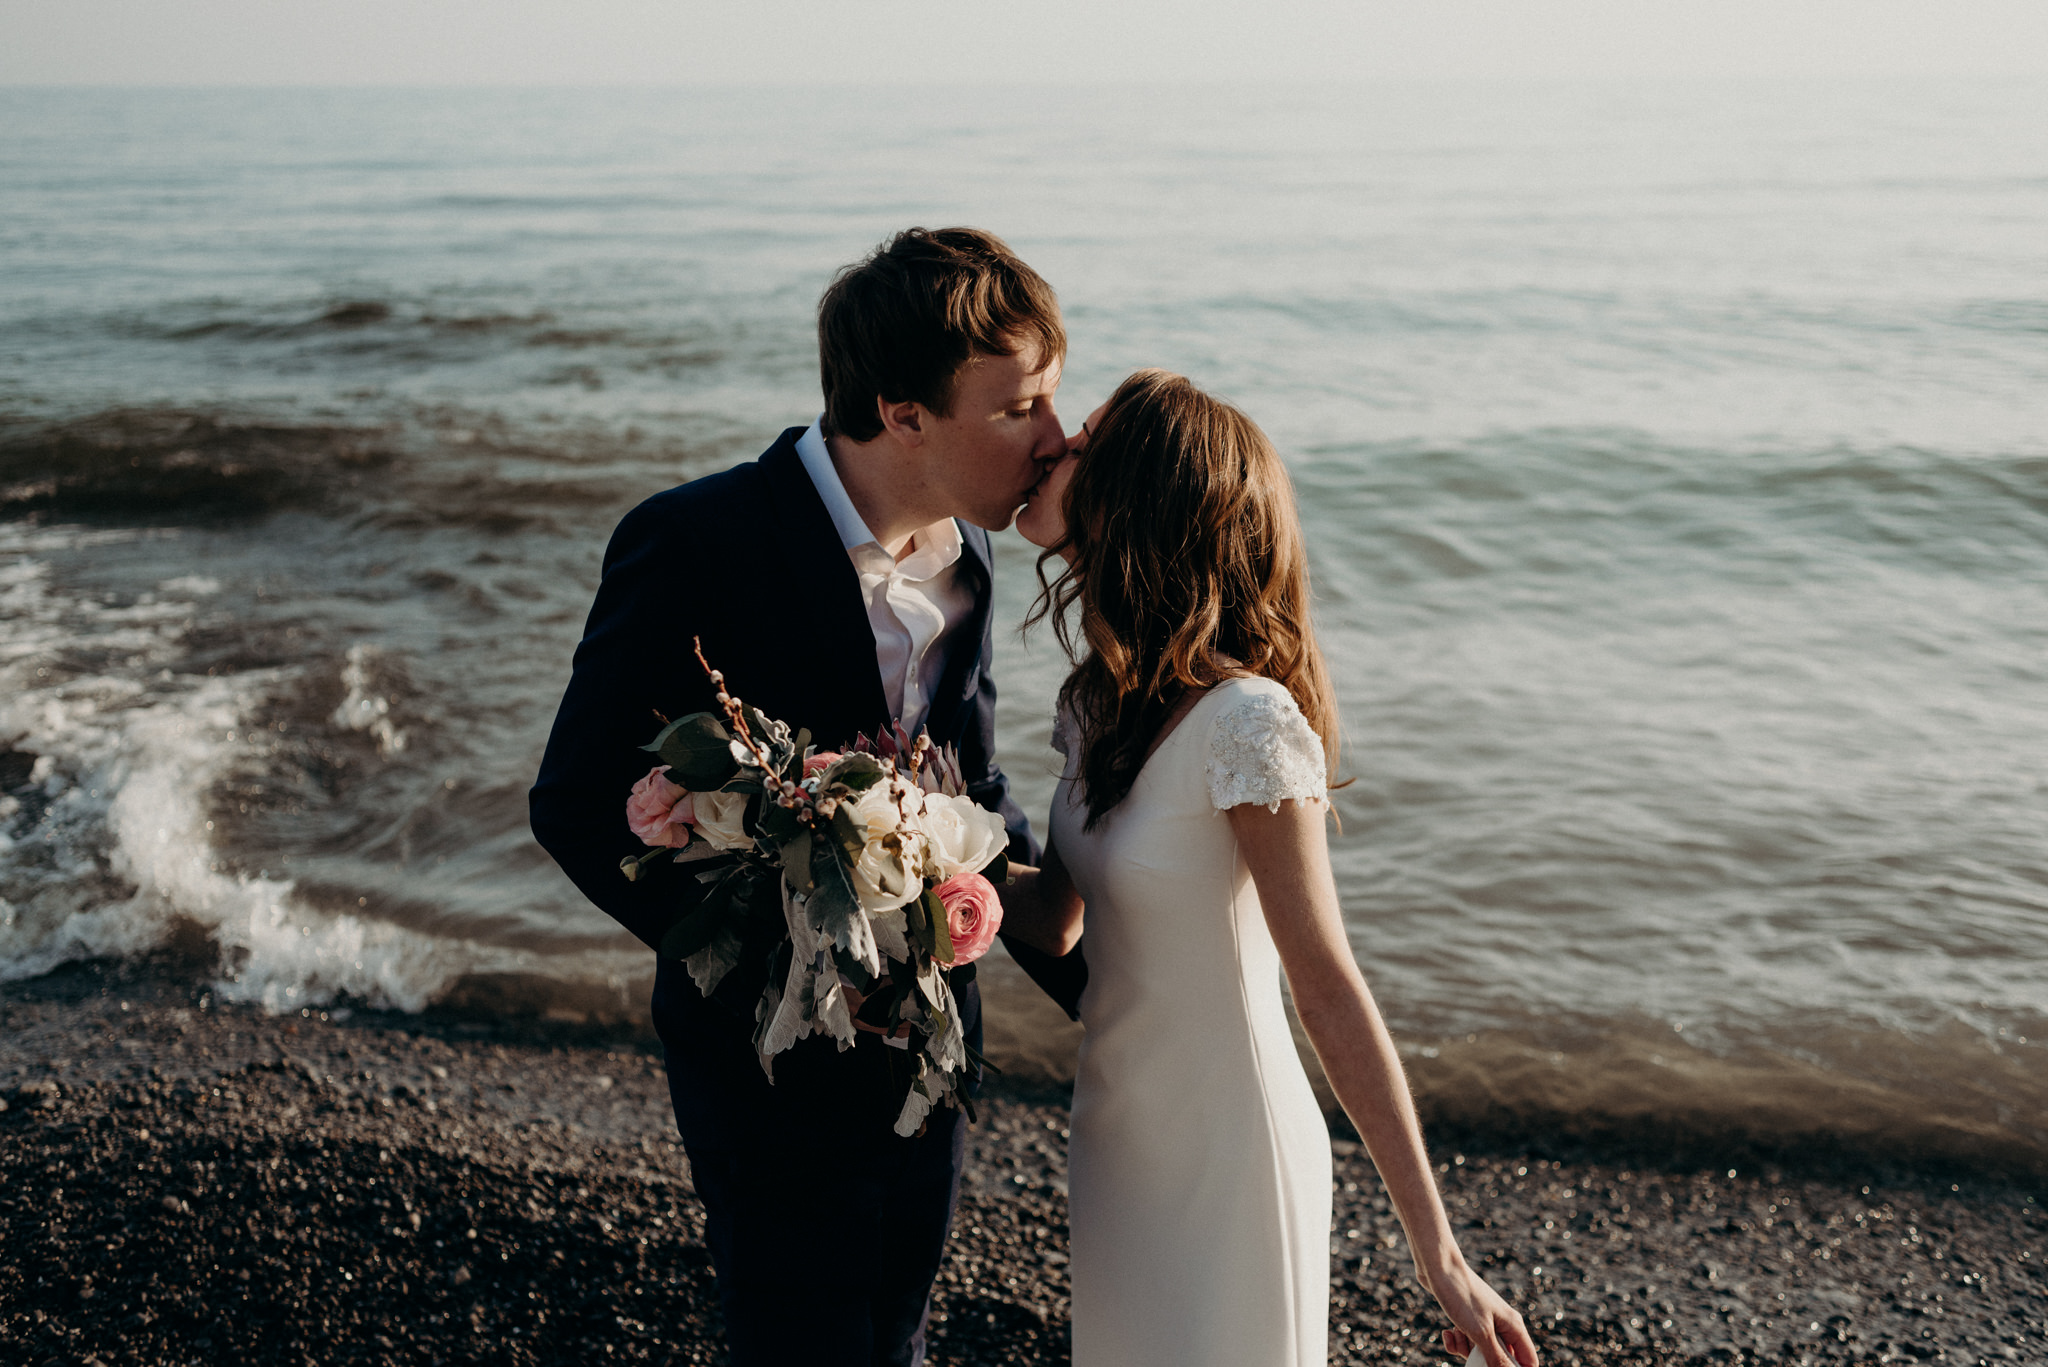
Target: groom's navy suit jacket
{"x": 749, "y": 562}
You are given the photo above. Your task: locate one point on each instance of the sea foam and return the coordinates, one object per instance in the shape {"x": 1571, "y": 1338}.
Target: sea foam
{"x": 108, "y": 847}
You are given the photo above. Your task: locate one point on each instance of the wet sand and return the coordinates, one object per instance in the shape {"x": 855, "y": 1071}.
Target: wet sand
{"x": 181, "y": 1182}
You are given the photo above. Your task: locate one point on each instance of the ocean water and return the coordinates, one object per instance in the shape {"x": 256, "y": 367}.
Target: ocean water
{"x": 1674, "y": 460}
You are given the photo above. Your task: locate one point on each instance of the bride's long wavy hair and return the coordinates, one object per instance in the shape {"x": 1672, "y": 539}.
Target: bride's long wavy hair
{"x": 1188, "y": 567}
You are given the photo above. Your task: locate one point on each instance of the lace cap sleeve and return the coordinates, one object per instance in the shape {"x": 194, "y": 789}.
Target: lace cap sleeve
{"x": 1064, "y": 733}
{"x": 1261, "y": 749}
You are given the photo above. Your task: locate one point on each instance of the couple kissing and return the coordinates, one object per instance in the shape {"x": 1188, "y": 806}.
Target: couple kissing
{"x": 842, "y": 582}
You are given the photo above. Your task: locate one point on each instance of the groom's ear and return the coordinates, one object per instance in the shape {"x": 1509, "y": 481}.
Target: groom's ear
{"x": 902, "y": 419}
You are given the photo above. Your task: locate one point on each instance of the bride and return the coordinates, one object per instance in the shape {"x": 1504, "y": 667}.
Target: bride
{"x": 1200, "y": 733}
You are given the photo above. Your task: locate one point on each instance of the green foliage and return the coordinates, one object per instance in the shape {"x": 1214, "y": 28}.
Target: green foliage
{"x": 847, "y": 834}
{"x": 697, "y": 750}
{"x": 942, "y": 931}
{"x": 698, "y": 928}
{"x": 780, "y": 825}
{"x": 793, "y": 769}
{"x": 856, "y": 773}
{"x": 834, "y": 904}
{"x": 853, "y": 970}
{"x": 796, "y": 857}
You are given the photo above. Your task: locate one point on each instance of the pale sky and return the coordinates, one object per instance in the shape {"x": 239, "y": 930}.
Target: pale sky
{"x": 915, "y": 42}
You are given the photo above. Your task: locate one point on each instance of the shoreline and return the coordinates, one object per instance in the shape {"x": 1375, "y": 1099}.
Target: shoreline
{"x": 180, "y": 1180}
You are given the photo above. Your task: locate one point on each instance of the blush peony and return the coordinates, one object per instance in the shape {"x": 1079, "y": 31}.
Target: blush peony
{"x": 974, "y": 913}
{"x": 659, "y": 812}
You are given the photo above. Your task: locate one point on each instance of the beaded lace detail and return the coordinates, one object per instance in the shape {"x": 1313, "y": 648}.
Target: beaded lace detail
{"x": 1064, "y": 733}
{"x": 1263, "y": 750}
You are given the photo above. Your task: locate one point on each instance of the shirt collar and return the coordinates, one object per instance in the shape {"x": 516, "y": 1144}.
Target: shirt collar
{"x": 846, "y": 519}
{"x": 938, "y": 545}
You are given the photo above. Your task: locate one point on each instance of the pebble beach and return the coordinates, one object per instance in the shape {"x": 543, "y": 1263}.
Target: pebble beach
{"x": 184, "y": 1182}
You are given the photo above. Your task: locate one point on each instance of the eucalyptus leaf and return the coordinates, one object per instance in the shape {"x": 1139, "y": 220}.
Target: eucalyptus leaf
{"x": 857, "y": 772}
{"x": 698, "y": 752}
{"x": 781, "y": 825}
{"x": 799, "y": 748}
{"x": 942, "y": 931}
{"x": 669, "y": 729}
{"x": 917, "y": 924}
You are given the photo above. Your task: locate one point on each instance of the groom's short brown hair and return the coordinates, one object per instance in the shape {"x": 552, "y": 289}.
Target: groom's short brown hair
{"x": 899, "y": 325}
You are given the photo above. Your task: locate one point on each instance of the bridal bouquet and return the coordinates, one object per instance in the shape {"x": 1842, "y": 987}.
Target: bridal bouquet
{"x": 861, "y": 877}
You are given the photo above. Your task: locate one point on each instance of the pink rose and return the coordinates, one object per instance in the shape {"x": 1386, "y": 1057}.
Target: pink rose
{"x": 659, "y": 812}
{"x": 973, "y": 914}
{"x": 820, "y": 762}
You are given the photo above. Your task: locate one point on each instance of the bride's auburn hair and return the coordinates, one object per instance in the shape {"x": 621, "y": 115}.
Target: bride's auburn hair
{"x": 1189, "y": 568}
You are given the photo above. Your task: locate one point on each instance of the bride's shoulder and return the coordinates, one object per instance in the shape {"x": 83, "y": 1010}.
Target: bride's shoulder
{"x": 1066, "y": 733}
{"x": 1261, "y": 748}
{"x": 1243, "y": 687}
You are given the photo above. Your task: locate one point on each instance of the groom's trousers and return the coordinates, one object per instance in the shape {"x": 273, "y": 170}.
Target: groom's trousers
{"x": 826, "y": 1228}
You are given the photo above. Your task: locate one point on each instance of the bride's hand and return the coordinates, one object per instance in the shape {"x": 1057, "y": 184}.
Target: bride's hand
{"x": 1482, "y": 1318}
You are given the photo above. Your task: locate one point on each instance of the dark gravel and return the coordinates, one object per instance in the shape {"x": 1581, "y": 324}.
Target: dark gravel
{"x": 182, "y": 1184}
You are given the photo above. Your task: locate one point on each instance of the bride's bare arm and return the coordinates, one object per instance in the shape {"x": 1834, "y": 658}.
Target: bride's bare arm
{"x": 1041, "y": 907}
{"x": 1289, "y": 858}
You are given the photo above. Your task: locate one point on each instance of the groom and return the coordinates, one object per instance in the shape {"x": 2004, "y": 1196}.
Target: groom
{"x": 840, "y": 582}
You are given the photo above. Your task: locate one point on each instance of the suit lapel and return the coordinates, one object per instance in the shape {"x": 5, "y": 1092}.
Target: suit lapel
{"x": 820, "y": 615}
{"x": 964, "y": 661}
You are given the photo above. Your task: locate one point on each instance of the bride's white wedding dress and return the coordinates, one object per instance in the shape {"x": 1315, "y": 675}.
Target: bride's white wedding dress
{"x": 1200, "y": 1163}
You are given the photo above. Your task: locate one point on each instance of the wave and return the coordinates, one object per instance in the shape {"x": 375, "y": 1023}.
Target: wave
{"x": 347, "y": 315}
{"x": 179, "y": 466}
{"x": 360, "y": 325}
{"x": 125, "y": 796}
{"x": 427, "y": 468}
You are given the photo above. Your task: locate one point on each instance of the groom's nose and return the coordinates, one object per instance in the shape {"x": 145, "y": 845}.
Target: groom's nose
{"x": 1052, "y": 436}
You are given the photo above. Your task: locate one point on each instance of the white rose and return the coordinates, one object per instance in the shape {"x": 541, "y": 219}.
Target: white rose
{"x": 721, "y": 819}
{"x": 964, "y": 835}
{"x": 883, "y": 808}
{"x": 886, "y": 875}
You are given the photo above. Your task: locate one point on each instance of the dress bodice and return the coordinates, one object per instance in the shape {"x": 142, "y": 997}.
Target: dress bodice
{"x": 1245, "y": 741}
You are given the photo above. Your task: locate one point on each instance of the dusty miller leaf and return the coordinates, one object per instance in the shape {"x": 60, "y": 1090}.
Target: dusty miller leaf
{"x": 835, "y": 910}
{"x": 709, "y": 965}
{"x": 889, "y": 929}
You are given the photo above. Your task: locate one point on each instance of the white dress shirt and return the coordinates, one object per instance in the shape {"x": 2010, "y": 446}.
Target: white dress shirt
{"x": 914, "y": 604}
